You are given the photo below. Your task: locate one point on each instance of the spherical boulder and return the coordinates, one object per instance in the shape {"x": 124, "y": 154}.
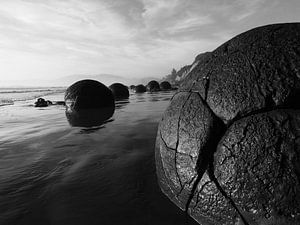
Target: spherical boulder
{"x": 227, "y": 147}
{"x": 88, "y": 94}
{"x": 140, "y": 88}
{"x": 153, "y": 86}
{"x": 165, "y": 85}
{"x": 119, "y": 90}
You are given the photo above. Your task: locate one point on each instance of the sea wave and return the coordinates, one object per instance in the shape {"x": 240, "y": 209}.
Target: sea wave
{"x": 9, "y": 96}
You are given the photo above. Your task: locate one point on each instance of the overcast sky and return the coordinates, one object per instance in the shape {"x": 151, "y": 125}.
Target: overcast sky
{"x": 48, "y": 39}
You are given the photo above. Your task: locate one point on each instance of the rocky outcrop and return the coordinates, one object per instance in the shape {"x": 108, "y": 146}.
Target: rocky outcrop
{"x": 227, "y": 148}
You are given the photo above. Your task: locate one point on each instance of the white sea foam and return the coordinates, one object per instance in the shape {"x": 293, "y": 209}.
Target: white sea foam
{"x": 10, "y": 95}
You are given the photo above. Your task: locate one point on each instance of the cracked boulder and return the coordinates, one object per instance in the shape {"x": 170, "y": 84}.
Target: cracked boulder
{"x": 228, "y": 145}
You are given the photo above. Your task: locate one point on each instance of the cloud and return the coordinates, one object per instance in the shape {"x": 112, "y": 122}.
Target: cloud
{"x": 245, "y": 8}
{"x": 125, "y": 37}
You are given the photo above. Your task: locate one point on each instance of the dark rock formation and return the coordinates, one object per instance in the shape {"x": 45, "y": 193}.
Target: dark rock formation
{"x": 140, "y": 88}
{"x": 165, "y": 85}
{"x": 228, "y": 147}
{"x": 89, "y": 103}
{"x": 42, "y": 103}
{"x": 88, "y": 94}
{"x": 119, "y": 90}
{"x": 153, "y": 86}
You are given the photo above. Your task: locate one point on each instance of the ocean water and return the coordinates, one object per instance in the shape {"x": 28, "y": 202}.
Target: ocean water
{"x": 10, "y": 95}
{"x": 52, "y": 173}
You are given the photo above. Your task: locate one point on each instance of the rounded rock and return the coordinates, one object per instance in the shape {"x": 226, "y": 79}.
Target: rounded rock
{"x": 258, "y": 163}
{"x": 227, "y": 147}
{"x": 120, "y": 91}
{"x": 153, "y": 86}
{"x": 88, "y": 94}
{"x": 165, "y": 85}
{"x": 140, "y": 88}
{"x": 254, "y": 70}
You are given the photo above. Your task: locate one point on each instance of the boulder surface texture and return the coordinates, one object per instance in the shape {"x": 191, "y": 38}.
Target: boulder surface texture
{"x": 228, "y": 145}
{"x": 119, "y": 90}
{"x": 88, "y": 94}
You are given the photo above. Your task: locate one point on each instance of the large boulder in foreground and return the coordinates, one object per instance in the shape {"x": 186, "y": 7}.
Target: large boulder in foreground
{"x": 88, "y": 94}
{"x": 228, "y": 145}
{"x": 120, "y": 91}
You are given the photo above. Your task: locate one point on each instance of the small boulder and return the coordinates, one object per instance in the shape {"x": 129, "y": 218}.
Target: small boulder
{"x": 140, "y": 88}
{"x": 165, "y": 85}
{"x": 153, "y": 86}
{"x": 42, "y": 103}
{"x": 119, "y": 90}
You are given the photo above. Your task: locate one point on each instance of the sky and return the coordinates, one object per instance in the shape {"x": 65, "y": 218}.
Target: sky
{"x": 50, "y": 39}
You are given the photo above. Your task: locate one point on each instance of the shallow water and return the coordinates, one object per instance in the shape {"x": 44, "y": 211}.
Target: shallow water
{"x": 53, "y": 173}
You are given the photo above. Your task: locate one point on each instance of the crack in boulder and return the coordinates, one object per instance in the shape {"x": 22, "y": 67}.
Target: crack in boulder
{"x": 214, "y": 179}
{"x": 230, "y": 151}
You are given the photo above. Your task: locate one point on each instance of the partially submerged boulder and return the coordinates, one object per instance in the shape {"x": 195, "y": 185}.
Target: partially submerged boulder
{"x": 89, "y": 117}
{"x": 88, "y": 103}
{"x": 153, "y": 86}
{"x": 228, "y": 148}
{"x": 140, "y": 88}
{"x": 165, "y": 85}
{"x": 42, "y": 103}
{"x": 120, "y": 91}
{"x": 88, "y": 94}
